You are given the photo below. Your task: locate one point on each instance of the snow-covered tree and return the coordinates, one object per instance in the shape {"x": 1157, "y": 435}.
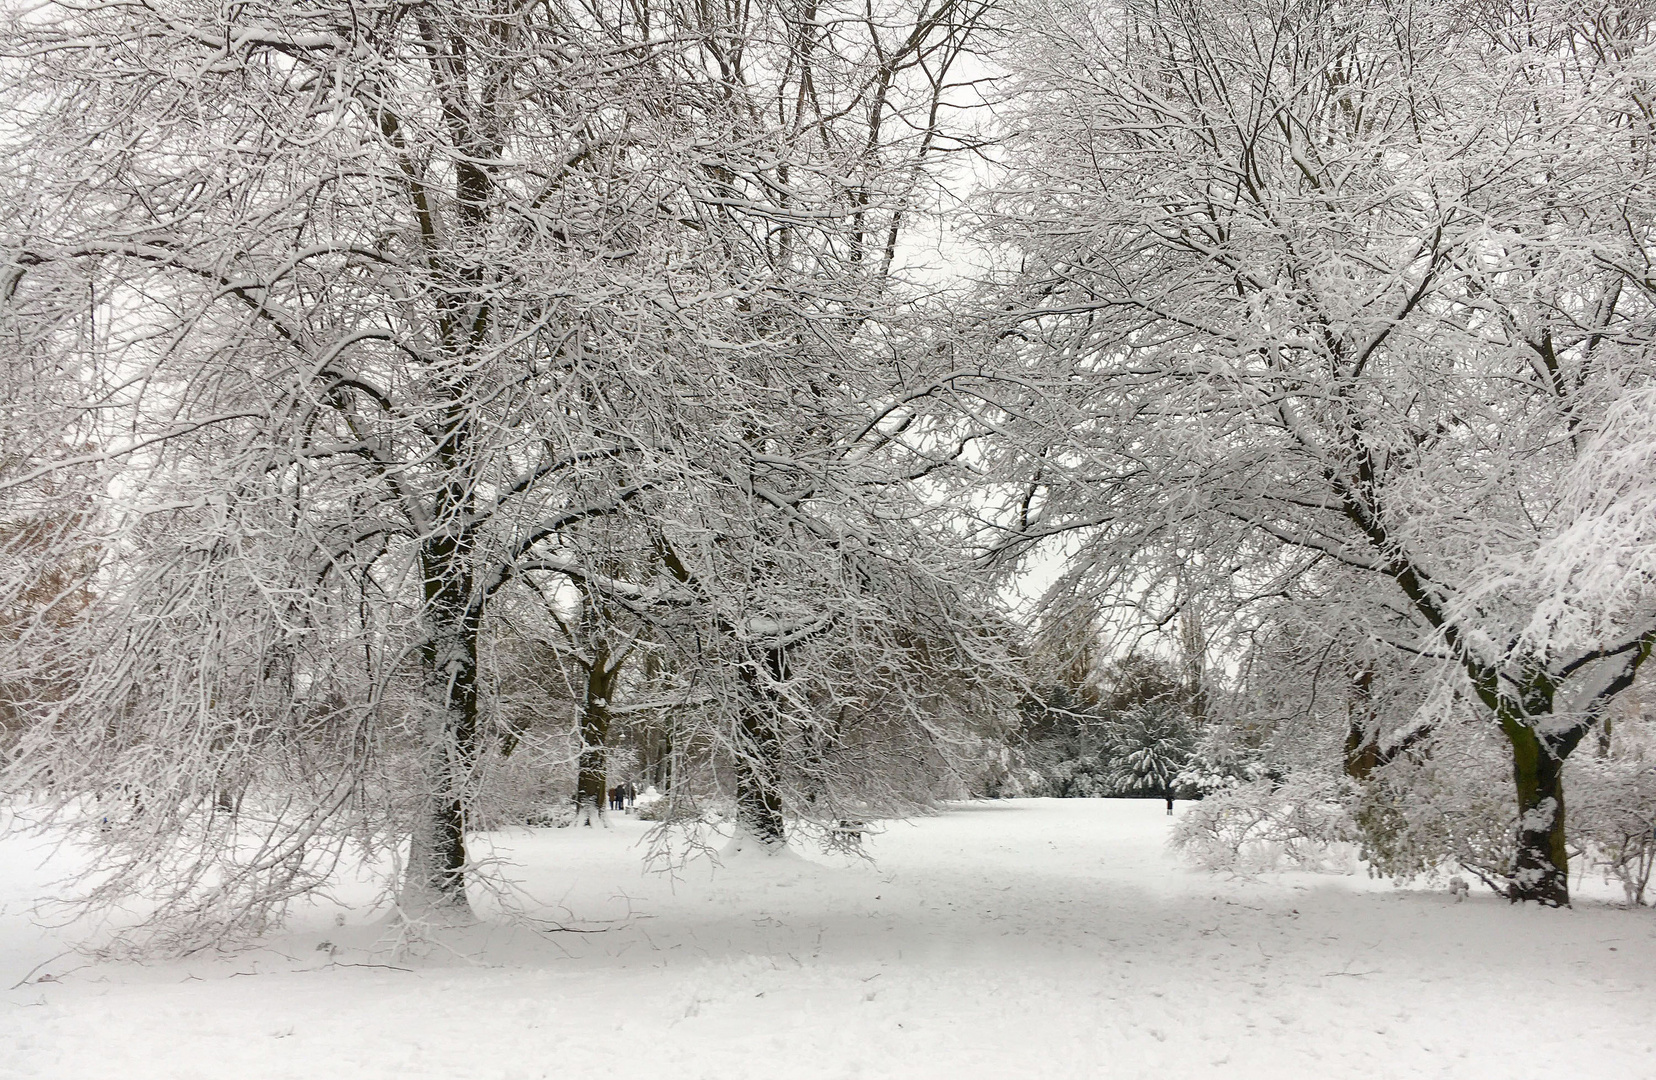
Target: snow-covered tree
{"x": 1347, "y": 285}
{"x": 370, "y": 314}
{"x": 333, "y": 352}
{"x": 1152, "y": 747}
{"x": 799, "y": 555}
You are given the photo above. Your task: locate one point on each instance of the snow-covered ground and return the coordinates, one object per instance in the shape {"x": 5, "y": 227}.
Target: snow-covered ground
{"x": 1039, "y": 939}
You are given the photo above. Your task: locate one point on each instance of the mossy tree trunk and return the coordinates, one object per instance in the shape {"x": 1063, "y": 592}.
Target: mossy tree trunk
{"x": 1542, "y": 867}
{"x": 1540, "y": 745}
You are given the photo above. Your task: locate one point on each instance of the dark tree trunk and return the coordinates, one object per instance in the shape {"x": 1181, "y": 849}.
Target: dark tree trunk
{"x": 656, "y": 750}
{"x": 1542, "y": 870}
{"x": 655, "y": 741}
{"x": 758, "y": 808}
{"x": 661, "y": 775}
{"x": 1362, "y": 752}
{"x": 437, "y": 854}
{"x": 453, "y": 606}
{"x": 758, "y": 803}
{"x": 592, "y": 778}
{"x": 1362, "y": 746}
{"x": 437, "y": 858}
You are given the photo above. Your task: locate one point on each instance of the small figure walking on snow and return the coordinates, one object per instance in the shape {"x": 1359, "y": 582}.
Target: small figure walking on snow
{"x": 1458, "y": 888}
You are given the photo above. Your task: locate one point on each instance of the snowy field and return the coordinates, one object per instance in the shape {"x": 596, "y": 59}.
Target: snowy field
{"x": 1036, "y": 938}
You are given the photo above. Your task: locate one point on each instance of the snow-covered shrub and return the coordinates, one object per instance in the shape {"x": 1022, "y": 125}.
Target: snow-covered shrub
{"x": 670, "y": 809}
{"x": 1262, "y": 825}
{"x": 1084, "y": 777}
{"x": 552, "y": 816}
{"x": 1451, "y": 806}
{"x": 984, "y": 767}
{"x": 1612, "y": 815}
{"x": 1145, "y": 751}
{"x": 1235, "y": 748}
{"x": 1062, "y": 746}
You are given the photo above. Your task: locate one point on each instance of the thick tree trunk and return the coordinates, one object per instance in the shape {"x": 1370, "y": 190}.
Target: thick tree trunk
{"x": 435, "y": 878}
{"x": 592, "y": 777}
{"x": 758, "y": 804}
{"x": 758, "y": 808}
{"x": 1362, "y": 747}
{"x": 1362, "y": 752}
{"x": 1542, "y": 870}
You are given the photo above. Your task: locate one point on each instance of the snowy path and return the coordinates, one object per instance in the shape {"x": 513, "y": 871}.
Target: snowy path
{"x": 1020, "y": 939}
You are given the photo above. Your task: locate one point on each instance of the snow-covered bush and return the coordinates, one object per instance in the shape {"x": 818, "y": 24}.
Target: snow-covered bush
{"x": 1426, "y": 815}
{"x": 982, "y": 766}
{"x": 529, "y": 786}
{"x": 1084, "y": 777}
{"x": 1612, "y": 818}
{"x": 1442, "y": 806}
{"x": 1224, "y": 758}
{"x": 680, "y": 810}
{"x": 552, "y": 816}
{"x": 1261, "y": 825}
